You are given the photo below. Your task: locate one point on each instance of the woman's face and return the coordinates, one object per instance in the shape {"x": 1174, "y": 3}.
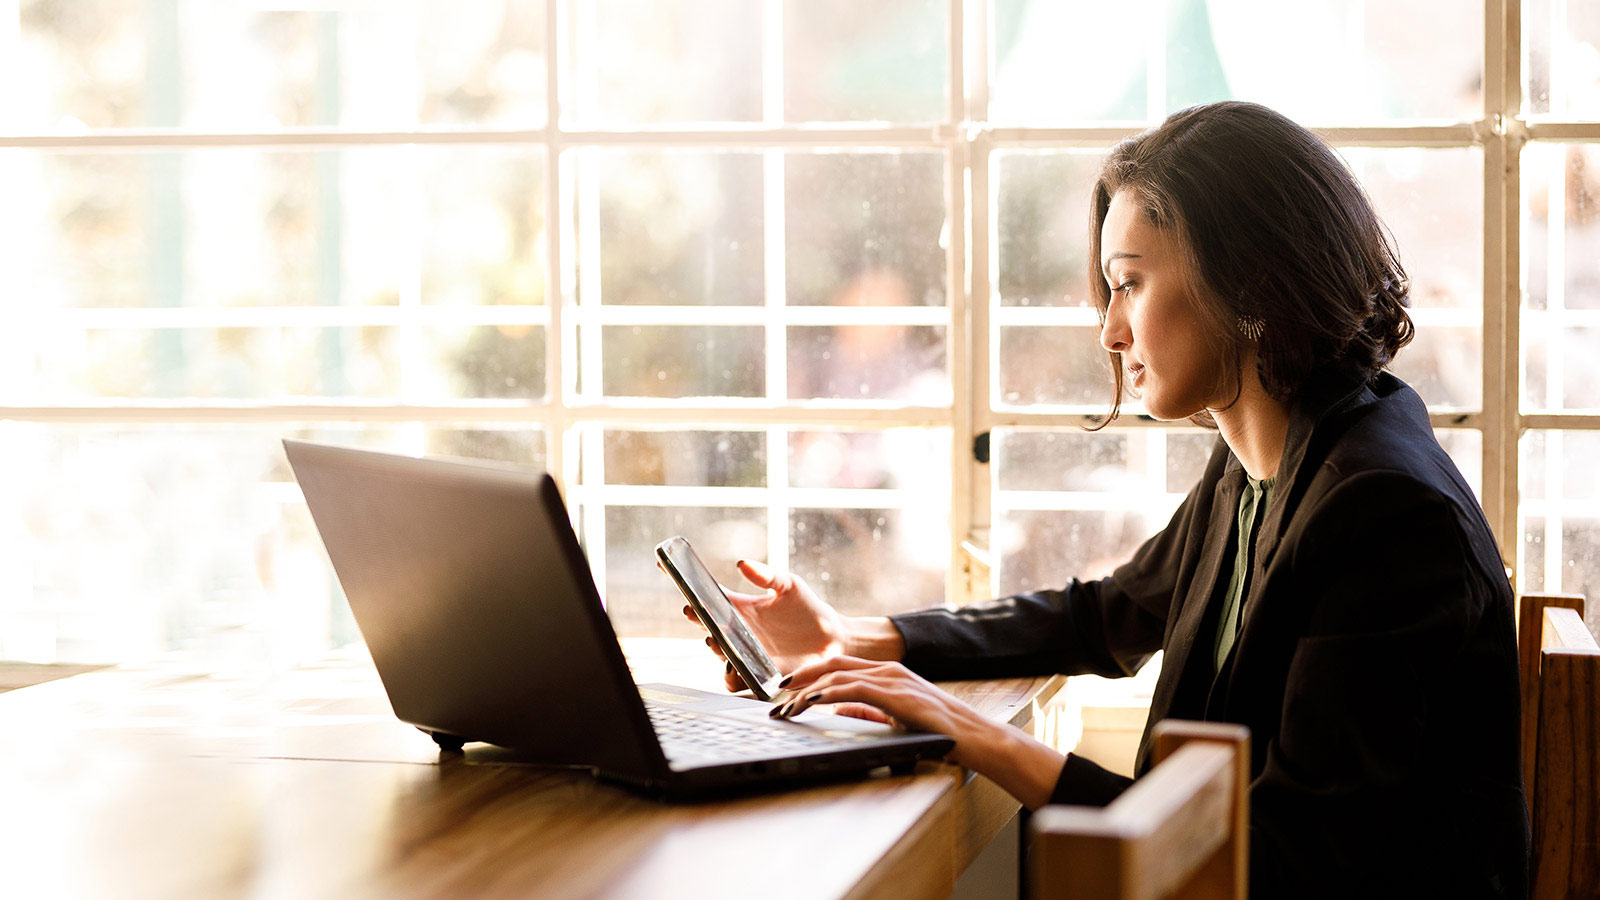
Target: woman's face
{"x": 1151, "y": 319}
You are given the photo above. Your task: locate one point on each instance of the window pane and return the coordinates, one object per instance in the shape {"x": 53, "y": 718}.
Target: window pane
{"x": 641, "y": 600}
{"x": 142, "y": 63}
{"x": 1561, "y": 300}
{"x": 1362, "y": 64}
{"x": 1073, "y": 505}
{"x": 1465, "y": 446}
{"x": 1056, "y": 366}
{"x": 679, "y": 361}
{"x": 885, "y": 60}
{"x": 377, "y": 226}
{"x": 1432, "y": 201}
{"x": 686, "y": 458}
{"x": 1560, "y": 513}
{"x": 620, "y": 48}
{"x": 1042, "y": 230}
{"x": 63, "y": 365}
{"x": 671, "y": 227}
{"x": 869, "y": 362}
{"x": 865, "y": 229}
{"x": 840, "y": 61}
{"x": 199, "y": 540}
{"x": 1561, "y": 68}
{"x": 914, "y": 459}
{"x": 871, "y": 562}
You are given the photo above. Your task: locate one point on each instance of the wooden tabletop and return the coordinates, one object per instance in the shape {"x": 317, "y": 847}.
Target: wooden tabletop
{"x": 159, "y": 781}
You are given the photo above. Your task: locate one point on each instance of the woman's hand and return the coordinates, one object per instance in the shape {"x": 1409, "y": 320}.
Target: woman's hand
{"x": 888, "y": 692}
{"x": 797, "y": 627}
{"x": 791, "y": 621}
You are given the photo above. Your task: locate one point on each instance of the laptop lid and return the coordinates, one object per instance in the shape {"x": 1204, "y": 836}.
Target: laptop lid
{"x": 476, "y": 602}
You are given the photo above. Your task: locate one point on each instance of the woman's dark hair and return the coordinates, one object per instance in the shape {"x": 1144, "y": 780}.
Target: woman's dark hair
{"x": 1271, "y": 225}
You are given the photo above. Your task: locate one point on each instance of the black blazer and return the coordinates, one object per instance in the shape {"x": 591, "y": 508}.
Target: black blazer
{"x": 1375, "y": 663}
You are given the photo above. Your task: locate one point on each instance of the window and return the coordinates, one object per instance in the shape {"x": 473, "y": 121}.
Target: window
{"x": 755, "y": 271}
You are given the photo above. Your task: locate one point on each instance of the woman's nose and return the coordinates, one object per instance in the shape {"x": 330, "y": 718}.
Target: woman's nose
{"x": 1114, "y": 333}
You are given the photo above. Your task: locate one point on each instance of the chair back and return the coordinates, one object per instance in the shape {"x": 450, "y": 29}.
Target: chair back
{"x": 1560, "y": 662}
{"x": 1182, "y": 830}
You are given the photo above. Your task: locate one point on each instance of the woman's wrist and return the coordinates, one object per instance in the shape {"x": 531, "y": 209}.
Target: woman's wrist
{"x": 873, "y": 637}
{"x": 1023, "y": 766}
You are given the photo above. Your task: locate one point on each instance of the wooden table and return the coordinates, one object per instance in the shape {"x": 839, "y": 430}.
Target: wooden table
{"x": 158, "y": 782}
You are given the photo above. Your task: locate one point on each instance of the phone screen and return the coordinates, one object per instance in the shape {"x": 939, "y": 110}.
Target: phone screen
{"x": 720, "y": 618}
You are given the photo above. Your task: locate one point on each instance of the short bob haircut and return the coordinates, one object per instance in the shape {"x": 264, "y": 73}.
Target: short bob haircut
{"x": 1270, "y": 225}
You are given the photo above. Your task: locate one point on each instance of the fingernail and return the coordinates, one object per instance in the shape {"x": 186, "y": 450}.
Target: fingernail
{"x": 728, "y": 667}
{"x": 773, "y": 712}
{"x": 812, "y": 698}
{"x": 785, "y": 682}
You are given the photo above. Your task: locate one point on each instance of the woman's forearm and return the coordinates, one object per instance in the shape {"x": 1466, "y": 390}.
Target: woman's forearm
{"x": 874, "y": 637}
{"x": 1027, "y": 769}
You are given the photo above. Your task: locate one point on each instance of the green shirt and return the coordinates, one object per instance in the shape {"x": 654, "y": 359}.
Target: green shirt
{"x": 1252, "y": 509}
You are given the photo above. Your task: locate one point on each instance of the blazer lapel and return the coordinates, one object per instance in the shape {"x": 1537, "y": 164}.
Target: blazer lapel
{"x": 1191, "y": 619}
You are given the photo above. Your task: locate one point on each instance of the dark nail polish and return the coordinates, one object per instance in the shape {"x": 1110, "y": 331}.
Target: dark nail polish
{"x": 812, "y": 698}
{"x": 728, "y": 667}
{"x": 785, "y": 682}
{"x": 773, "y": 712}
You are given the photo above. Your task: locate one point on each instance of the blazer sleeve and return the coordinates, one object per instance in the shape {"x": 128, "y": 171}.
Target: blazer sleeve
{"x": 1396, "y": 698}
{"x": 1107, "y": 627}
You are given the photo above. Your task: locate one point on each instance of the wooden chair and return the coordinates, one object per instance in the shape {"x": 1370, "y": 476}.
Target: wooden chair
{"x": 1560, "y": 662}
{"x": 1182, "y": 830}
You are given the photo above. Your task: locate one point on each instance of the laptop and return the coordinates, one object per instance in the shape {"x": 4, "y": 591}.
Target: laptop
{"x": 484, "y": 623}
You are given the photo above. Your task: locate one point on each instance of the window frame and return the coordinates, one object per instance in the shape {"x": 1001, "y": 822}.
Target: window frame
{"x": 969, "y": 143}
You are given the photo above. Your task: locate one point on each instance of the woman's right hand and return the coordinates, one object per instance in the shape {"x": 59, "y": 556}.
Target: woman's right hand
{"x": 791, "y": 621}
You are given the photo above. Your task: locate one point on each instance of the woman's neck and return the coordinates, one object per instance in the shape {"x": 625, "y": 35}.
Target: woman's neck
{"x": 1255, "y": 428}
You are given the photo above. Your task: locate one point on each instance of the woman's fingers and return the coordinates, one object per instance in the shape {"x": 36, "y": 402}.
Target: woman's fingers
{"x": 811, "y": 671}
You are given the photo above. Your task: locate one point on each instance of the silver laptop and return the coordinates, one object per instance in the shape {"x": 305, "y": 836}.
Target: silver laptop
{"x": 483, "y": 620}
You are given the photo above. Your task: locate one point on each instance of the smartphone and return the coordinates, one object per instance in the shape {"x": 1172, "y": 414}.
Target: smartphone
{"x": 727, "y": 627}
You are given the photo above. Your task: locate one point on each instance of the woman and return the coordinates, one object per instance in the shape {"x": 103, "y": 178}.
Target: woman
{"x": 1330, "y": 582}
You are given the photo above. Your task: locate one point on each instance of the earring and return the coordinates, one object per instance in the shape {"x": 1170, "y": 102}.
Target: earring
{"x": 1251, "y": 327}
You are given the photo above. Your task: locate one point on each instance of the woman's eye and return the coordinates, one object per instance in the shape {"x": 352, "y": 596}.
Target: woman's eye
{"x": 1125, "y": 286}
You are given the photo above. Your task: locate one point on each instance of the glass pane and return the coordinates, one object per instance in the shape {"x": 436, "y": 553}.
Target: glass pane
{"x": 1069, "y": 504}
{"x": 1561, "y": 300}
{"x": 1042, "y": 227}
{"x": 231, "y": 228}
{"x": 865, "y": 229}
{"x": 870, "y": 562}
{"x": 1561, "y": 65}
{"x": 62, "y": 365}
{"x": 916, "y": 459}
{"x": 680, "y": 361}
{"x": 620, "y": 48}
{"x": 1047, "y": 548}
{"x": 1363, "y": 64}
{"x": 196, "y": 64}
{"x": 686, "y": 458}
{"x": 671, "y": 228}
{"x": 1432, "y": 201}
{"x": 1465, "y": 446}
{"x": 199, "y": 541}
{"x": 869, "y": 362}
{"x": 641, "y": 600}
{"x": 875, "y": 61}
{"x": 1050, "y": 365}
{"x": 1560, "y": 512}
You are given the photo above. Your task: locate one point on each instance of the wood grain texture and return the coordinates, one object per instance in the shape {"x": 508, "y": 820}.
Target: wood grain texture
{"x": 156, "y": 782}
{"x": 1566, "y": 799}
{"x": 1175, "y": 832}
{"x": 1530, "y": 634}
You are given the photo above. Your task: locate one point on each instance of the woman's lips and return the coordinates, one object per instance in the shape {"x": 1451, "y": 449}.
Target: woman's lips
{"x": 1136, "y": 374}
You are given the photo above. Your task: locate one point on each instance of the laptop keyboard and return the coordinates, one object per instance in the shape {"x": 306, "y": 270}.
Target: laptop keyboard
{"x": 687, "y": 734}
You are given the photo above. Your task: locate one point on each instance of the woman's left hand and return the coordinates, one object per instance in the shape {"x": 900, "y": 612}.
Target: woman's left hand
{"x": 888, "y": 692}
